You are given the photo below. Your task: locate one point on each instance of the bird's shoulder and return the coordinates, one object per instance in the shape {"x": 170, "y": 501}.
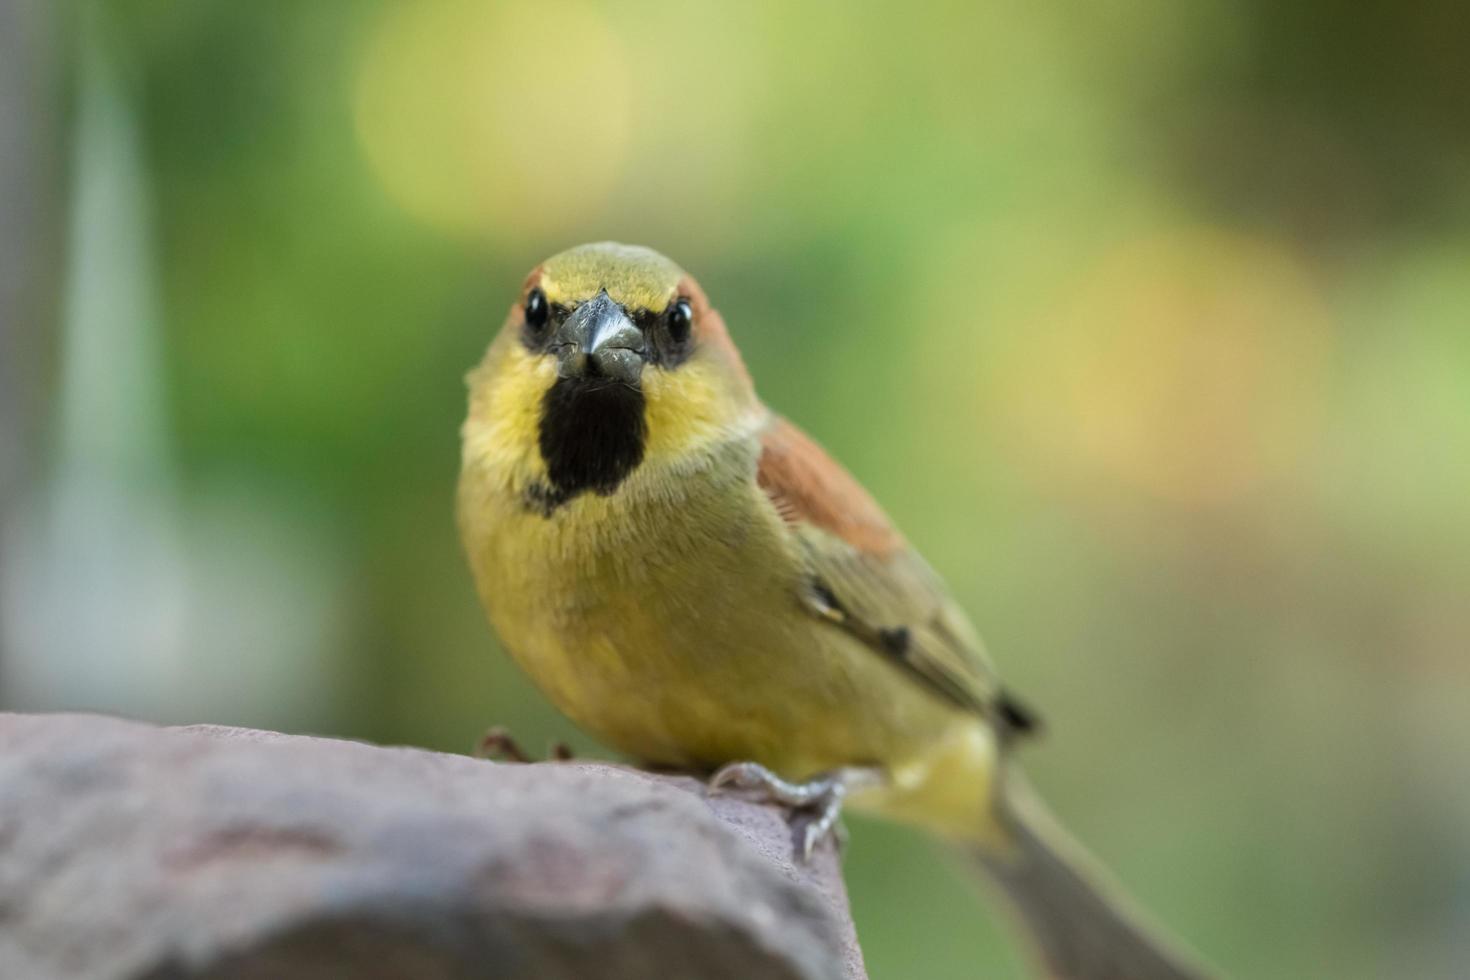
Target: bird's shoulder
{"x": 807, "y": 486}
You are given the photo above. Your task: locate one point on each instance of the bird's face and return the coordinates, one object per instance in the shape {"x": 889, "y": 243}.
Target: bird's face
{"x": 611, "y": 359}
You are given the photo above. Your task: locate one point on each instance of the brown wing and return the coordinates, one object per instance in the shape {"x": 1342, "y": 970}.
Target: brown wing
{"x": 866, "y": 579}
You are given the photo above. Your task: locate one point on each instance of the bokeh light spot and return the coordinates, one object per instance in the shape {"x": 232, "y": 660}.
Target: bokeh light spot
{"x": 489, "y": 119}
{"x": 1189, "y": 364}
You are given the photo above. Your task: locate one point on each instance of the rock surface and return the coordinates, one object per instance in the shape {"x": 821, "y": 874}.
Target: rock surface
{"x": 130, "y": 851}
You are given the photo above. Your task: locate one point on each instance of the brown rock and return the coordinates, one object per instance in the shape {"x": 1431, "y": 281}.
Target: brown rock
{"x": 130, "y": 851}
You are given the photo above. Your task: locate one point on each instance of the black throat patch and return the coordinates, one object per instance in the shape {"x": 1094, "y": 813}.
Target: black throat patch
{"x": 592, "y": 436}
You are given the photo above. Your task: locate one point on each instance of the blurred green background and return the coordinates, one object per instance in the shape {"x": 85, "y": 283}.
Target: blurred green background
{"x": 1149, "y": 322}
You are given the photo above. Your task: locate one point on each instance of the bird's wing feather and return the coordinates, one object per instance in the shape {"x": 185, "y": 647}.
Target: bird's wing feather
{"x": 866, "y": 579}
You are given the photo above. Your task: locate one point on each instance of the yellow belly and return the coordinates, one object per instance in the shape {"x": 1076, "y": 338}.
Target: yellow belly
{"x": 665, "y": 620}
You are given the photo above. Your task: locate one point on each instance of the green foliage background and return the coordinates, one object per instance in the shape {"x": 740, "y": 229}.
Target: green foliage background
{"x": 1148, "y": 322}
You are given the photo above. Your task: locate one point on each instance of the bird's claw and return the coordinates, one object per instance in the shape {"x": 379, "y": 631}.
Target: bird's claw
{"x": 499, "y": 743}
{"x": 821, "y": 798}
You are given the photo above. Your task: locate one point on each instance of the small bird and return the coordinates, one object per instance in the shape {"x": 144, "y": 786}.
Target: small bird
{"x": 695, "y": 582}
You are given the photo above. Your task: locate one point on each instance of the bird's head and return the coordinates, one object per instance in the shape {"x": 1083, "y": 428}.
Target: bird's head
{"x": 611, "y": 358}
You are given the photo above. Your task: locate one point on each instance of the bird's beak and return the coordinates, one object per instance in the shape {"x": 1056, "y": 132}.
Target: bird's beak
{"x": 599, "y": 341}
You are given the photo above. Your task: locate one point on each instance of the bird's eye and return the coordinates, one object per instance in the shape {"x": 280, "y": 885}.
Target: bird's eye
{"x": 681, "y": 320}
{"x": 538, "y": 312}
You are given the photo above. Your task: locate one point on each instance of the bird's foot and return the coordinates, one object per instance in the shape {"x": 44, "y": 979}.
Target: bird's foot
{"x": 820, "y": 800}
{"x": 499, "y": 744}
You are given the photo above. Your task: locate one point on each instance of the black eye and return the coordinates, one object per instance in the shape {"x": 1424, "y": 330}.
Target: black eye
{"x": 538, "y": 312}
{"x": 681, "y": 320}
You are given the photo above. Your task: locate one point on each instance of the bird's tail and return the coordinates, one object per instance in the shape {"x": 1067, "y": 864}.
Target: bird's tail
{"x": 1083, "y": 927}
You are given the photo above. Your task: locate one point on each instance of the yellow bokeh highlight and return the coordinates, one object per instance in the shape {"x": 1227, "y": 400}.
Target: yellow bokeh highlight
{"x": 1189, "y": 363}
{"x": 499, "y": 120}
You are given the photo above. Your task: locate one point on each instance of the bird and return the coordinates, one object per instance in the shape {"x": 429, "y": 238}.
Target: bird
{"x": 695, "y": 582}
